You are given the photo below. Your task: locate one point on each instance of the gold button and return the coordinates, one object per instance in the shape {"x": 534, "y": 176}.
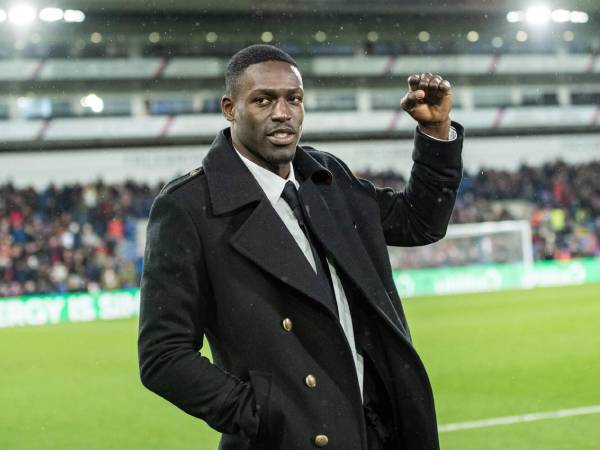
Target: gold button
{"x": 287, "y": 324}
{"x": 321, "y": 440}
{"x": 310, "y": 381}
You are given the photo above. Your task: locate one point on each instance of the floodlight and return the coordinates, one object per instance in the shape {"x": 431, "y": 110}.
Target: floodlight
{"x": 514, "y": 16}
{"x": 424, "y": 36}
{"x": 21, "y": 15}
{"x": 561, "y": 15}
{"x": 93, "y": 102}
{"x": 2, "y": 15}
{"x": 320, "y": 36}
{"x": 266, "y": 36}
{"x": 579, "y": 17}
{"x": 372, "y": 36}
{"x": 51, "y": 14}
{"x": 74, "y": 15}
{"x": 497, "y": 42}
{"x": 538, "y": 15}
{"x": 96, "y": 37}
{"x": 568, "y": 36}
{"x": 472, "y": 36}
{"x": 521, "y": 36}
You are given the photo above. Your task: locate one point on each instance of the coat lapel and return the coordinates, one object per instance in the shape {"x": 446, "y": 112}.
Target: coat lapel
{"x": 262, "y": 237}
{"x": 265, "y": 240}
{"x": 335, "y": 230}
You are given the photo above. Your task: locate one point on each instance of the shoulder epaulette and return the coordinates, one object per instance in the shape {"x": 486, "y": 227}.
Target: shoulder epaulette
{"x": 180, "y": 181}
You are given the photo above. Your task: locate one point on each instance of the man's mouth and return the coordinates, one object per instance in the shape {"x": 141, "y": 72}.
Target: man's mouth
{"x": 281, "y": 136}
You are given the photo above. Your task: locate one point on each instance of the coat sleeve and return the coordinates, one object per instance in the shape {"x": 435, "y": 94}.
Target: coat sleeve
{"x": 420, "y": 214}
{"x": 175, "y": 296}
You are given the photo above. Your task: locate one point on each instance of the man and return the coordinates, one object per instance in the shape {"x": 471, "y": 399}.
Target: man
{"x": 277, "y": 254}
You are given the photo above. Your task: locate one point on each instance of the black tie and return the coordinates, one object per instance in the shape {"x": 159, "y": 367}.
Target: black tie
{"x": 290, "y": 195}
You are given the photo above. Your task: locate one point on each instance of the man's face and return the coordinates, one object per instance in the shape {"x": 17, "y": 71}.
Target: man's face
{"x": 266, "y": 112}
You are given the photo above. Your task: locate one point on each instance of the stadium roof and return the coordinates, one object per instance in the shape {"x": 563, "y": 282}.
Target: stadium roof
{"x": 307, "y": 6}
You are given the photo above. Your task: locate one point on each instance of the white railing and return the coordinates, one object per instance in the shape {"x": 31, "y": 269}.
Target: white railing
{"x": 198, "y": 68}
{"x": 203, "y": 126}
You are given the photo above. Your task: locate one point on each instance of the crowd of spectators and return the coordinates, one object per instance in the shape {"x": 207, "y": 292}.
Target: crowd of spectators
{"x": 564, "y": 199}
{"x": 88, "y": 237}
{"x": 72, "y": 238}
{"x": 561, "y": 201}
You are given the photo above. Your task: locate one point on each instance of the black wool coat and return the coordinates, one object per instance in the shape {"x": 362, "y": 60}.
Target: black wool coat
{"x": 220, "y": 263}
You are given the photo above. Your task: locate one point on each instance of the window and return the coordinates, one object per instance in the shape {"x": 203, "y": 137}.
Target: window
{"x": 166, "y": 106}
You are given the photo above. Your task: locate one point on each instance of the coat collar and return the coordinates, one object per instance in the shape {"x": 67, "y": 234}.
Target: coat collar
{"x": 230, "y": 183}
{"x": 263, "y": 239}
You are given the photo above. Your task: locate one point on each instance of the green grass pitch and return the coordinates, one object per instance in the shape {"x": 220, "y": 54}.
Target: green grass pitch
{"x": 76, "y": 386}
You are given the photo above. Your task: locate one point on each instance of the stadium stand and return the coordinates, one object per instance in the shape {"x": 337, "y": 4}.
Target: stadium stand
{"x": 109, "y": 85}
{"x": 73, "y": 238}
{"x": 561, "y": 201}
{"x": 85, "y": 237}
{"x": 137, "y": 81}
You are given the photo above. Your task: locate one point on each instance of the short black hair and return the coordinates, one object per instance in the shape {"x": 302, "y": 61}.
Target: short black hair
{"x": 253, "y": 54}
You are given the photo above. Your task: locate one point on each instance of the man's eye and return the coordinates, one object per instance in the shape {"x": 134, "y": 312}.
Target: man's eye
{"x": 261, "y": 100}
{"x": 296, "y": 99}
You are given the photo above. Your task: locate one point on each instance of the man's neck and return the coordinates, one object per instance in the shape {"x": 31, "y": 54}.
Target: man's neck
{"x": 282, "y": 170}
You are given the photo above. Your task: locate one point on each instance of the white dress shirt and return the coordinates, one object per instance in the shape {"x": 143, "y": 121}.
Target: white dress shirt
{"x": 452, "y": 135}
{"x": 273, "y": 185}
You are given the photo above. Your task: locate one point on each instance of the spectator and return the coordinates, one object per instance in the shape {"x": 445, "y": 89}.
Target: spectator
{"x": 84, "y": 237}
{"x": 73, "y": 238}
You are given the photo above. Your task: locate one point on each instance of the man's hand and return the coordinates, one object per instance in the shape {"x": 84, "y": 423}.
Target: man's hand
{"x": 429, "y": 101}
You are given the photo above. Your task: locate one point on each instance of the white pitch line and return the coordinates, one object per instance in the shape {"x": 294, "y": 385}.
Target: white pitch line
{"x": 509, "y": 420}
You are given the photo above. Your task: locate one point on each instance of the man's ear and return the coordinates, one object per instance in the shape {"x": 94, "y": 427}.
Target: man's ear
{"x": 228, "y": 108}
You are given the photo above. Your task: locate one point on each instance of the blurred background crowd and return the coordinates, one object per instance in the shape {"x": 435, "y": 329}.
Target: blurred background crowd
{"x": 72, "y": 238}
{"x": 89, "y": 236}
{"x": 118, "y": 91}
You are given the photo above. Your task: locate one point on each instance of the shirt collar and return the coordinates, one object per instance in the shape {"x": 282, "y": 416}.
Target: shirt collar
{"x": 271, "y": 184}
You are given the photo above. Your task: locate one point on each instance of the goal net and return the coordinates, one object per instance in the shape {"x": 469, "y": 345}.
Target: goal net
{"x": 469, "y": 244}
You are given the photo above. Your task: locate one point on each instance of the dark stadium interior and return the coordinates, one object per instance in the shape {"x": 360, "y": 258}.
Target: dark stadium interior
{"x": 102, "y": 102}
{"x": 150, "y": 73}
{"x": 142, "y": 60}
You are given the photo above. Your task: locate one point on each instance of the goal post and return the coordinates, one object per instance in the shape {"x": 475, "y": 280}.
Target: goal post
{"x": 469, "y": 244}
{"x": 520, "y": 228}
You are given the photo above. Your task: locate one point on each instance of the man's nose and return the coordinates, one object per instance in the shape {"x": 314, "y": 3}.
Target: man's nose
{"x": 281, "y": 111}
